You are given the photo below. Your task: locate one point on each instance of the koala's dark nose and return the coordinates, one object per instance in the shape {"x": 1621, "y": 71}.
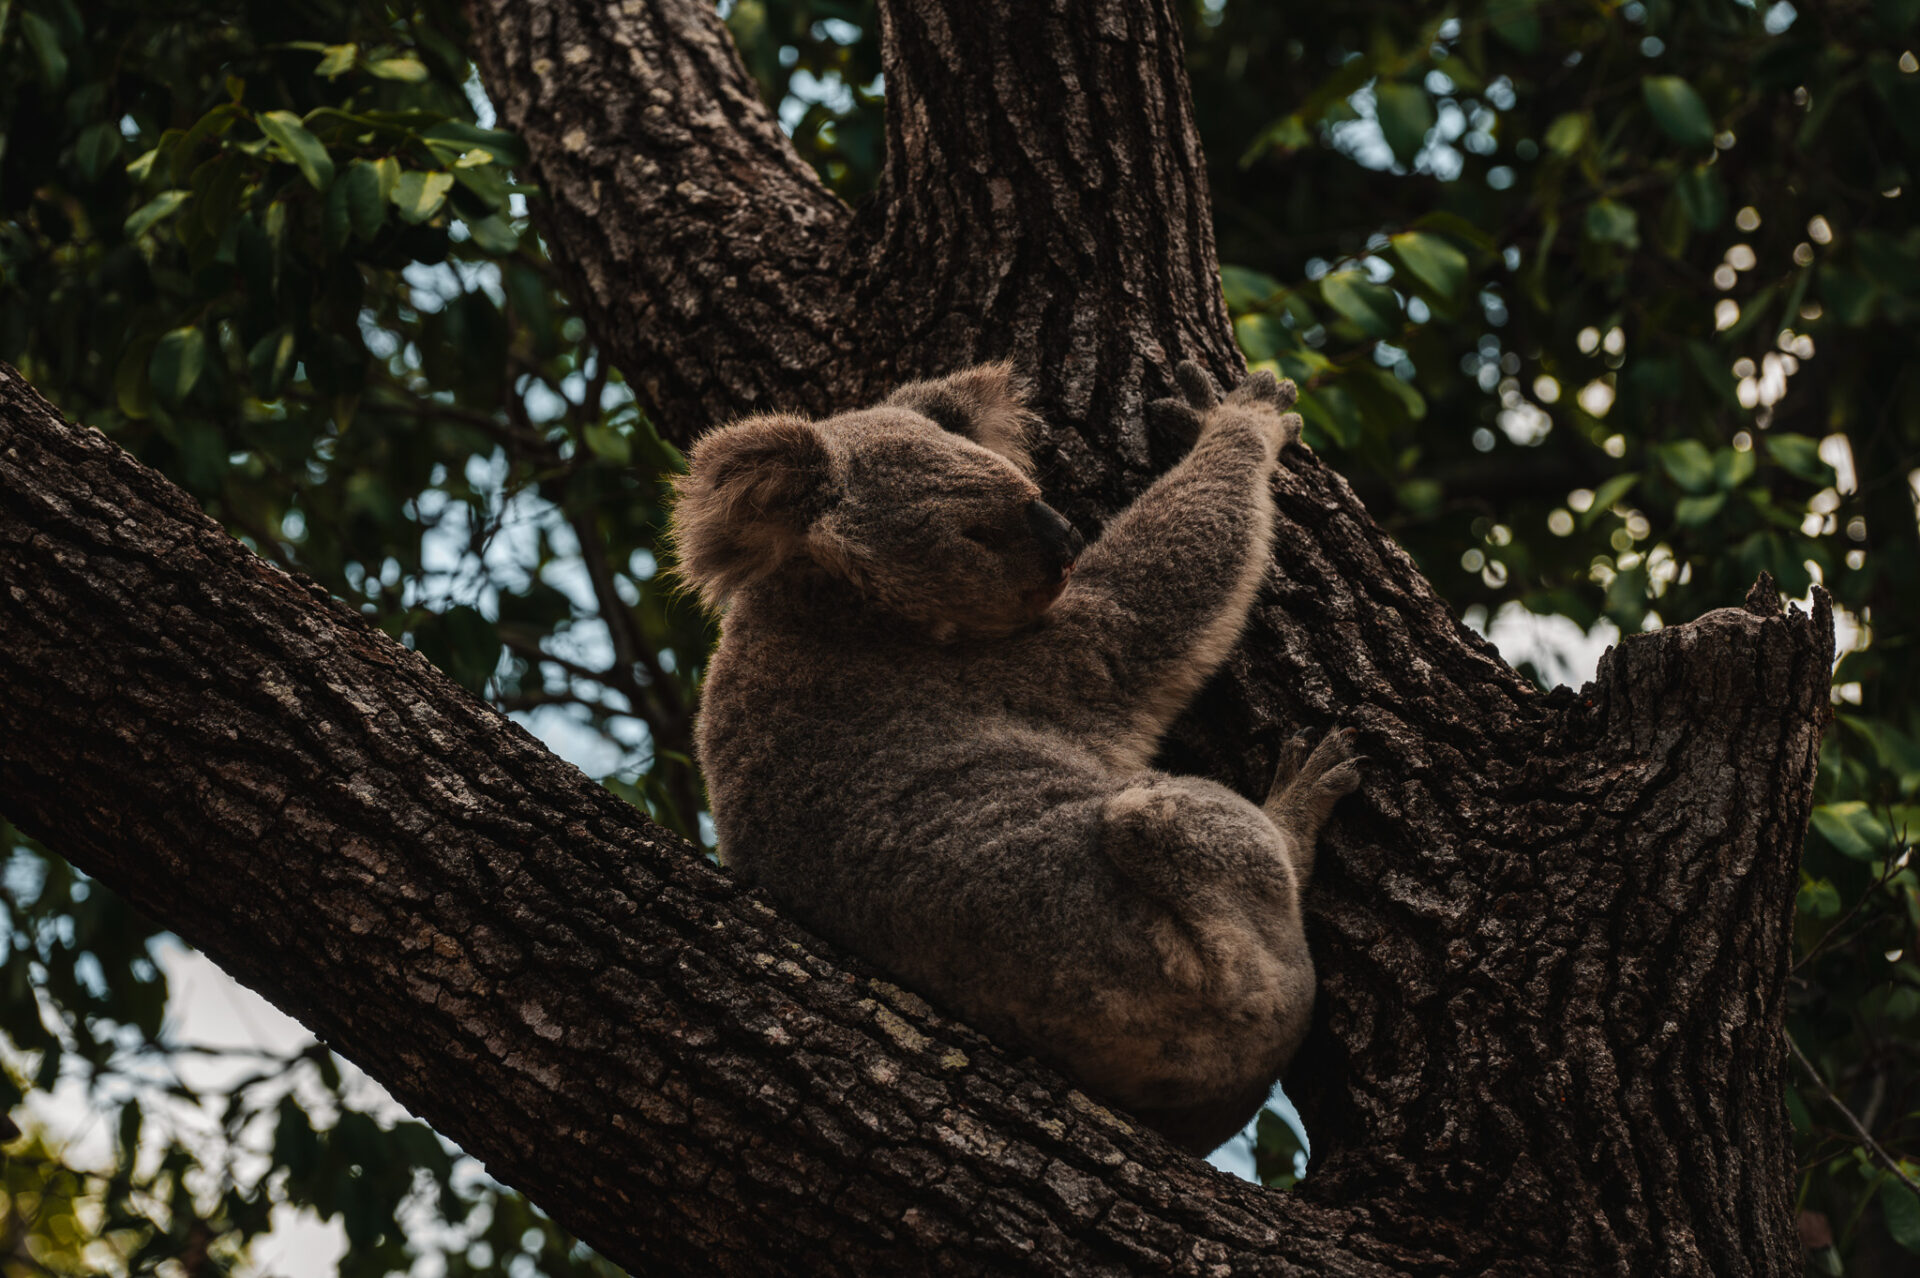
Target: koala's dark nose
{"x": 1062, "y": 540}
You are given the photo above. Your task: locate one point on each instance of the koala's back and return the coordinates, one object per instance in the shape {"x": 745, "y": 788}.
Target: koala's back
{"x": 891, "y": 804}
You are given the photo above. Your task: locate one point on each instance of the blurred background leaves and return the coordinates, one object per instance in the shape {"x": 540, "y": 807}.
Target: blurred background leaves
{"x": 1604, "y": 308}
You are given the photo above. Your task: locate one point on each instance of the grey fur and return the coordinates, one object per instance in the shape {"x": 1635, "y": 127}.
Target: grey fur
{"x": 924, "y": 761}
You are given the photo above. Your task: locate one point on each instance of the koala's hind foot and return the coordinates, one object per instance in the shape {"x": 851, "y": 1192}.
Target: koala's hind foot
{"x": 1309, "y": 780}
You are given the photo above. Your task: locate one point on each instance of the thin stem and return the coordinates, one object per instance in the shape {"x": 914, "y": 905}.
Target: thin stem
{"x": 1866, "y": 1138}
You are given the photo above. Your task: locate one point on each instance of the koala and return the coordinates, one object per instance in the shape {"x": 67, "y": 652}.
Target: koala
{"x": 928, "y": 731}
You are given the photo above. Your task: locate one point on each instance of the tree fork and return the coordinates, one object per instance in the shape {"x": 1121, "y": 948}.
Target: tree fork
{"x": 684, "y": 1078}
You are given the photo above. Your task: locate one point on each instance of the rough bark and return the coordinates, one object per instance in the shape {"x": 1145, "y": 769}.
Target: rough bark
{"x": 1044, "y": 200}
{"x": 1551, "y": 930}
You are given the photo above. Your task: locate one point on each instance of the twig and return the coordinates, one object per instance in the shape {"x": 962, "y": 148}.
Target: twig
{"x": 1891, "y": 863}
{"x": 1866, "y": 1137}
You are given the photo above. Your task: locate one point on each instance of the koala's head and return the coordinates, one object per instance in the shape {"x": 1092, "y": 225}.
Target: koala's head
{"x": 923, "y": 504}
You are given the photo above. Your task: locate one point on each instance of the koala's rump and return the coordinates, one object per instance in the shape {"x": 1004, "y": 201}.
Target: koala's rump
{"x": 972, "y": 870}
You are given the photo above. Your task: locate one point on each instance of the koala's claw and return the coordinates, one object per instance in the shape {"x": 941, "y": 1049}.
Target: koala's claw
{"x": 1259, "y": 387}
{"x": 1333, "y": 767}
{"x": 1293, "y": 754}
{"x": 1176, "y": 420}
{"x": 1196, "y": 384}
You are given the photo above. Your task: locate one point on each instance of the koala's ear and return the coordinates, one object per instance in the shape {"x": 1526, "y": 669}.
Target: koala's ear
{"x": 986, "y": 404}
{"x": 744, "y": 506}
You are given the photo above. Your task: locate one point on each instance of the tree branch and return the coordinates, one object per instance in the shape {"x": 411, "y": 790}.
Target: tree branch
{"x": 698, "y": 244}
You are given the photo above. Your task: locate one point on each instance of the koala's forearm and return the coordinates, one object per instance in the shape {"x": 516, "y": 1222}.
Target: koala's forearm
{"x": 1161, "y": 597}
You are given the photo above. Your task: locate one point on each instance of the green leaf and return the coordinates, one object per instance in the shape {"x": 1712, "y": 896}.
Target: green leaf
{"x": 1515, "y": 22}
{"x": 1901, "y": 1207}
{"x": 494, "y": 235}
{"x": 1566, "y": 134}
{"x": 608, "y": 444}
{"x": 1330, "y": 408}
{"x": 487, "y": 180}
{"x": 1671, "y": 227}
{"x": 45, "y": 42}
{"x": 295, "y": 1146}
{"x": 1691, "y": 512}
{"x": 1732, "y": 467}
{"x": 1852, "y": 829}
{"x": 338, "y": 60}
{"x": 304, "y": 149}
{"x": 177, "y": 360}
{"x": 1797, "y": 1109}
{"x": 143, "y": 165}
{"x": 365, "y": 201}
{"x": 1458, "y": 227}
{"x": 1261, "y": 336}
{"x": 1406, "y": 113}
{"x": 1609, "y": 222}
{"x": 1689, "y": 463}
{"x": 1800, "y": 454}
{"x": 1702, "y": 196}
{"x": 1818, "y": 898}
{"x": 388, "y": 170}
{"x": 163, "y": 205}
{"x": 1370, "y": 307}
{"x": 419, "y": 195}
{"x": 1849, "y": 297}
{"x": 1420, "y": 497}
{"x": 1711, "y": 365}
{"x": 1245, "y": 289}
{"x": 411, "y": 70}
{"x": 219, "y": 199}
{"x": 270, "y": 362}
{"x": 1285, "y": 135}
{"x": 97, "y": 147}
{"x": 454, "y": 138}
{"x": 1433, "y": 261}
{"x": 1278, "y": 1153}
{"x": 1678, "y": 110}
{"x": 132, "y": 388}
{"x": 335, "y": 223}
{"x": 1607, "y": 496}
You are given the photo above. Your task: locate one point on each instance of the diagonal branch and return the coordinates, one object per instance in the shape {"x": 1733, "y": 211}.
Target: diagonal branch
{"x": 683, "y": 1078}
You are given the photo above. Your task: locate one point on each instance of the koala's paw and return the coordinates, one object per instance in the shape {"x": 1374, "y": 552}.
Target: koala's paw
{"x": 1179, "y": 419}
{"x": 1316, "y": 776}
{"x": 1199, "y": 405}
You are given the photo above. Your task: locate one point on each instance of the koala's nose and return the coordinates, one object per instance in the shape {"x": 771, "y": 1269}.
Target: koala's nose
{"x": 1062, "y": 540}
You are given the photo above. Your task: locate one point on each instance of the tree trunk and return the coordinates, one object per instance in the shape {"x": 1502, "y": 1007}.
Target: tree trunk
{"x": 1552, "y": 931}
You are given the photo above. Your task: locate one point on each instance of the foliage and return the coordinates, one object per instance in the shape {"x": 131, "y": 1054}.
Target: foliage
{"x": 276, "y": 252}
{"x": 1604, "y": 307}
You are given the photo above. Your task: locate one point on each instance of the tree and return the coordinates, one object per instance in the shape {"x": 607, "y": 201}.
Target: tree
{"x": 1490, "y": 895}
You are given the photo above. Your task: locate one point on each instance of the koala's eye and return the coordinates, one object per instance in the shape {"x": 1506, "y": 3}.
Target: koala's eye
{"x": 986, "y": 536}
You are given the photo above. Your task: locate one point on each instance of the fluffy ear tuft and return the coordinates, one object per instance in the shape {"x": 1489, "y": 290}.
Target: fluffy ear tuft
{"x": 986, "y": 404}
{"x": 744, "y": 506}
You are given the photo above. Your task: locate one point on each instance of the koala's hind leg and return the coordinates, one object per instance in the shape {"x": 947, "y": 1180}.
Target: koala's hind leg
{"x": 1183, "y": 839}
{"x": 1308, "y": 782}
